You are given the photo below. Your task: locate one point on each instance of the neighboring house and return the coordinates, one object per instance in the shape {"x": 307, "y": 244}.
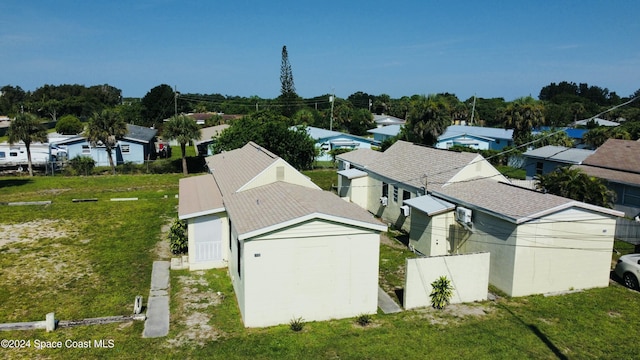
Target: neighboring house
{"x": 618, "y": 162}
{"x": 574, "y": 134}
{"x": 475, "y": 137}
{"x": 457, "y": 203}
{"x": 597, "y": 121}
{"x": 381, "y": 134}
{"x": 203, "y": 146}
{"x": 544, "y": 160}
{"x": 385, "y": 120}
{"x": 137, "y": 146}
{"x": 292, "y": 249}
{"x": 327, "y": 140}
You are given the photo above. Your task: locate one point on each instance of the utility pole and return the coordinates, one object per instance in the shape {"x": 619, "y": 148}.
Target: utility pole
{"x": 473, "y": 109}
{"x": 332, "y": 99}
{"x": 175, "y": 100}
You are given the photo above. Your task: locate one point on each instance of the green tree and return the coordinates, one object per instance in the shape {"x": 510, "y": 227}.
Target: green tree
{"x": 28, "y": 129}
{"x": 288, "y": 97}
{"x": 554, "y": 137}
{"x": 574, "y": 184}
{"x": 106, "y": 128}
{"x": 158, "y": 104}
{"x": 427, "y": 119}
{"x": 598, "y": 135}
{"x": 69, "y": 125}
{"x": 183, "y": 129}
{"x": 271, "y": 131}
{"x": 441, "y": 292}
{"x": 523, "y": 115}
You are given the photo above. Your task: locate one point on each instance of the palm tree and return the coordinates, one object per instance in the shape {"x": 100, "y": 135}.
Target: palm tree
{"x": 523, "y": 115}
{"x": 183, "y": 129}
{"x": 427, "y": 119}
{"x": 28, "y": 129}
{"x": 574, "y": 184}
{"x": 106, "y": 128}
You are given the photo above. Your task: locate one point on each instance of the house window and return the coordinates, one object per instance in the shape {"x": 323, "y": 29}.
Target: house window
{"x": 13, "y": 153}
{"x": 86, "y": 149}
{"x": 230, "y": 231}
{"x": 539, "y": 166}
{"x": 395, "y": 193}
{"x": 385, "y": 189}
{"x": 2, "y": 155}
{"x": 124, "y": 148}
{"x": 497, "y": 141}
{"x": 406, "y": 195}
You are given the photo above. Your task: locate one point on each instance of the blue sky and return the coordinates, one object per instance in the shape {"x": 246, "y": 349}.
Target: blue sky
{"x": 489, "y": 48}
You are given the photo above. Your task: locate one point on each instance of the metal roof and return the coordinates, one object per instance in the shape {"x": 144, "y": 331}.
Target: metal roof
{"x": 559, "y": 154}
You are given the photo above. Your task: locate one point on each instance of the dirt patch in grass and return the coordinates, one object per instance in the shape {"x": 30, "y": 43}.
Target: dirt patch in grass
{"x": 195, "y": 298}
{"x": 33, "y": 231}
{"x": 384, "y": 239}
{"x": 162, "y": 250}
{"x": 453, "y": 313}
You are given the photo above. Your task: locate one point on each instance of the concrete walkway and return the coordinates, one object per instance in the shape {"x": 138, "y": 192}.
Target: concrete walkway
{"x": 386, "y": 303}
{"x": 157, "y": 323}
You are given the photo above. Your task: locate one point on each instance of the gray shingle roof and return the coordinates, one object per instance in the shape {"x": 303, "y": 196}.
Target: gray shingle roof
{"x": 140, "y": 133}
{"x": 616, "y": 154}
{"x": 233, "y": 169}
{"x": 281, "y": 203}
{"x": 514, "y": 203}
{"x": 361, "y": 157}
{"x": 199, "y": 195}
{"x": 559, "y": 154}
{"x": 209, "y": 133}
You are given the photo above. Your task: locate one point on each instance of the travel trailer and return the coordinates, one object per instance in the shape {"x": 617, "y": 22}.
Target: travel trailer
{"x": 15, "y": 155}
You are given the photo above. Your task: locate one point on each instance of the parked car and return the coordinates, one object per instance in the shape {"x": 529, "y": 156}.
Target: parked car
{"x": 628, "y": 269}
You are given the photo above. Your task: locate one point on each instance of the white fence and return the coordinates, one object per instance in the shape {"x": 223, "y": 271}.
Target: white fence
{"x": 469, "y": 275}
{"x": 628, "y": 230}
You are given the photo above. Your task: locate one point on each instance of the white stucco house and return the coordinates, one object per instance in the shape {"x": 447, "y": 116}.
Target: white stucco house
{"x": 328, "y": 140}
{"x": 292, "y": 249}
{"x": 475, "y": 137}
{"x": 458, "y": 203}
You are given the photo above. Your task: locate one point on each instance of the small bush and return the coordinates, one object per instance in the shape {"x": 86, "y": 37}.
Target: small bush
{"x": 441, "y": 293}
{"x": 82, "y": 165}
{"x": 296, "y": 324}
{"x": 178, "y": 237}
{"x": 363, "y": 319}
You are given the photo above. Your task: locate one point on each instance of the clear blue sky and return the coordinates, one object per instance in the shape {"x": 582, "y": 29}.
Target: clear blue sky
{"x": 490, "y": 48}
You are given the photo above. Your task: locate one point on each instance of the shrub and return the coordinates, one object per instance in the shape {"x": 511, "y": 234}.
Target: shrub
{"x": 296, "y": 324}
{"x": 441, "y": 292}
{"x": 82, "y": 165}
{"x": 363, "y": 319}
{"x": 178, "y": 237}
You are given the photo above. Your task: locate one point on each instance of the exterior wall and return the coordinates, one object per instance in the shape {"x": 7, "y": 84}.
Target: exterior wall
{"x": 317, "y": 270}
{"x": 479, "y": 167}
{"x": 99, "y": 154}
{"x": 564, "y": 251}
{"x": 136, "y": 154}
{"x": 236, "y": 269}
{"x": 430, "y": 235}
{"x": 354, "y": 190}
{"x": 495, "y": 236}
{"x": 391, "y": 214}
{"x": 531, "y": 167}
{"x": 469, "y": 275}
{"x": 288, "y": 174}
{"x": 198, "y": 225}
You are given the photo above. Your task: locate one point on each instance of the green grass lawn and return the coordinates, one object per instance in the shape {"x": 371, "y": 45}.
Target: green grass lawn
{"x": 91, "y": 259}
{"x": 324, "y": 178}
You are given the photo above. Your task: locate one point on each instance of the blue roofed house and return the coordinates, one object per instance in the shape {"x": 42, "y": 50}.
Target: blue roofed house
{"x": 327, "y": 140}
{"x": 545, "y": 159}
{"x": 458, "y": 203}
{"x": 381, "y": 134}
{"x": 475, "y": 137}
{"x": 137, "y": 146}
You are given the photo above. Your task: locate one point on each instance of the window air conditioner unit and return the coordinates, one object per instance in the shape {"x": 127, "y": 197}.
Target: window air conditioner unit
{"x": 463, "y": 215}
{"x": 406, "y": 210}
{"x": 384, "y": 200}
{"x": 347, "y": 165}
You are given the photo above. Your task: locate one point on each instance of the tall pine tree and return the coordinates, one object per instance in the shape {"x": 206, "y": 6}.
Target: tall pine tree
{"x": 288, "y": 97}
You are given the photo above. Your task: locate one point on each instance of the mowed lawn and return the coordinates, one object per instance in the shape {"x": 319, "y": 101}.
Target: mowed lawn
{"x": 90, "y": 259}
